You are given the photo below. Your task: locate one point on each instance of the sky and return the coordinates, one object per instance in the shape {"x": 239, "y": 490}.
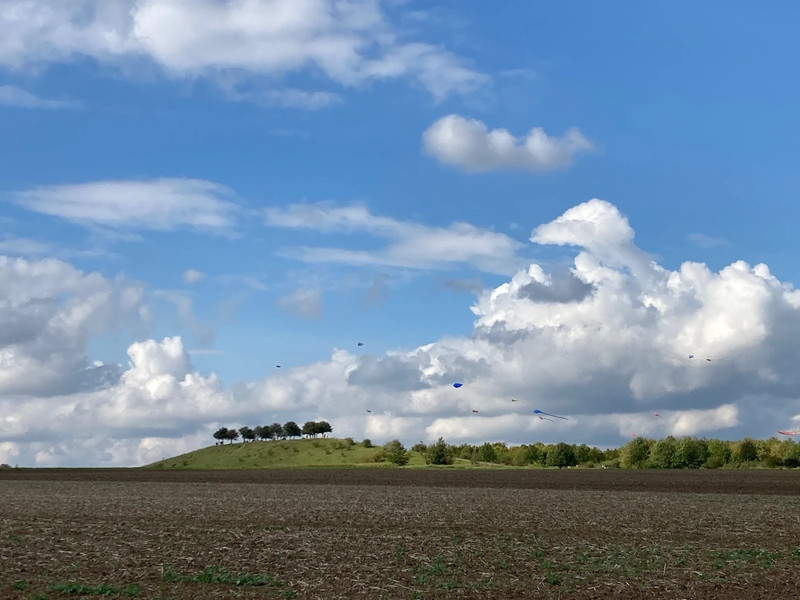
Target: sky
{"x": 555, "y": 203}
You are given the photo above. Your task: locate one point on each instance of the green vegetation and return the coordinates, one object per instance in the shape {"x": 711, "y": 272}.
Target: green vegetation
{"x": 639, "y": 453}
{"x": 320, "y": 452}
{"x": 73, "y": 588}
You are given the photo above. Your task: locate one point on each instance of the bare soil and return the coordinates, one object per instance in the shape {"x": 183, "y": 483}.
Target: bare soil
{"x": 399, "y": 533}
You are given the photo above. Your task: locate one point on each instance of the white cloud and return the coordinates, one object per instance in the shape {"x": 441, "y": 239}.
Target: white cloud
{"x": 157, "y": 204}
{"x": 11, "y": 95}
{"x": 469, "y": 144}
{"x": 24, "y": 246}
{"x": 411, "y": 245}
{"x": 606, "y": 343}
{"x": 347, "y": 42}
{"x": 48, "y": 312}
{"x": 304, "y": 302}
{"x": 706, "y": 241}
{"x": 192, "y": 276}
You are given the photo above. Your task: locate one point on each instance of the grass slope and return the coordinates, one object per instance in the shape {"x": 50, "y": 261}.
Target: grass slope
{"x": 319, "y": 452}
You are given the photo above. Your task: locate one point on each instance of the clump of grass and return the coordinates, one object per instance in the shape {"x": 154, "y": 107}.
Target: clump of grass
{"x": 82, "y": 589}
{"x": 221, "y": 575}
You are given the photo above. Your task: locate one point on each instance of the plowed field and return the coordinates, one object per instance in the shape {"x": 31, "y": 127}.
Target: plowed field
{"x": 397, "y": 533}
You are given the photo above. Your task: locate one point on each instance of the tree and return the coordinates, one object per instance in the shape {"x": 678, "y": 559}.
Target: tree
{"x": 291, "y": 429}
{"x": 248, "y": 435}
{"x": 534, "y": 453}
{"x": 232, "y": 435}
{"x": 662, "y": 453}
{"x": 309, "y": 428}
{"x": 791, "y": 457}
{"x": 691, "y": 453}
{"x": 561, "y": 455}
{"x": 221, "y": 434}
{"x": 323, "y": 427}
{"x": 747, "y": 451}
{"x": 439, "y": 453}
{"x": 718, "y": 454}
{"x": 395, "y": 453}
{"x": 277, "y": 431}
{"x": 635, "y": 453}
{"x": 487, "y": 453}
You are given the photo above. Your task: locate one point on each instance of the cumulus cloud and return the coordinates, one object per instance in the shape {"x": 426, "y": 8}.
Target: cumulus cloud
{"x": 469, "y": 144}
{"x": 240, "y": 44}
{"x": 158, "y": 204}
{"x": 411, "y": 245}
{"x": 48, "y": 312}
{"x": 606, "y": 344}
{"x": 11, "y": 95}
{"x": 158, "y": 405}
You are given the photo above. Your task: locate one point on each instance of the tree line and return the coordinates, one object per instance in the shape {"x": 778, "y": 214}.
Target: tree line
{"x": 639, "y": 453}
{"x": 276, "y": 431}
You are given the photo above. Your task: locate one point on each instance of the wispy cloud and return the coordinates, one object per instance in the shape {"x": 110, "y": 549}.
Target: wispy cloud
{"x": 706, "y": 241}
{"x": 156, "y": 204}
{"x": 469, "y": 144}
{"x": 11, "y": 95}
{"x": 304, "y": 302}
{"x": 192, "y": 276}
{"x": 410, "y": 245}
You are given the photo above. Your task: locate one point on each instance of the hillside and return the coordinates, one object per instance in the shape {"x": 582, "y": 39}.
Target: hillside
{"x": 319, "y": 452}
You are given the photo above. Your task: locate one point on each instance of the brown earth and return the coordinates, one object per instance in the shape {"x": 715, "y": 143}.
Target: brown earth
{"x": 399, "y": 533}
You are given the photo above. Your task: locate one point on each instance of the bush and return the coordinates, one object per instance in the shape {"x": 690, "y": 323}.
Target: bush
{"x": 419, "y": 447}
{"x": 395, "y": 453}
{"x": 439, "y": 453}
{"x": 562, "y": 455}
{"x": 367, "y": 443}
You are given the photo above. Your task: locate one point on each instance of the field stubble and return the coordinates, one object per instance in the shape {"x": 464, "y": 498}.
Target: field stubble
{"x": 394, "y": 534}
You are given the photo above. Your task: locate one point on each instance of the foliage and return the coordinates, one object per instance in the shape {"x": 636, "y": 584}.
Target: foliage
{"x": 561, "y": 455}
{"x": 635, "y": 453}
{"x": 292, "y": 429}
{"x": 662, "y": 453}
{"x": 315, "y": 428}
{"x": 439, "y": 453}
{"x": 395, "y": 453}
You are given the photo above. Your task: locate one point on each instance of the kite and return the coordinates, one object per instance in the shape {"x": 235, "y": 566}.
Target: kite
{"x": 277, "y": 366}
{"x": 360, "y": 343}
{"x": 475, "y": 411}
{"x": 794, "y": 432}
{"x": 513, "y": 399}
{"x": 457, "y": 384}
{"x": 546, "y": 419}
{"x": 657, "y": 415}
{"x": 369, "y": 411}
{"x": 541, "y": 412}
{"x": 691, "y": 356}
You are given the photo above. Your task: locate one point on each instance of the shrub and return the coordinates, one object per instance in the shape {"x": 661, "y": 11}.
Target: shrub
{"x": 439, "y": 453}
{"x": 396, "y": 453}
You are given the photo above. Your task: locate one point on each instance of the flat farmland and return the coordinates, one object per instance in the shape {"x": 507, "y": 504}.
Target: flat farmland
{"x": 399, "y": 533}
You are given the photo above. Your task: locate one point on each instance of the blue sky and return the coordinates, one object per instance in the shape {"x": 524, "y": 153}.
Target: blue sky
{"x": 194, "y": 192}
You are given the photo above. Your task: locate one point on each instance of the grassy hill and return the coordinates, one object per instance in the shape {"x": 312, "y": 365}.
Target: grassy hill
{"x": 320, "y": 452}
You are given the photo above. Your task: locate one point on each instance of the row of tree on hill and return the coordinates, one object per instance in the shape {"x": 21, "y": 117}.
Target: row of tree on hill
{"x": 639, "y": 453}
{"x": 276, "y": 431}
